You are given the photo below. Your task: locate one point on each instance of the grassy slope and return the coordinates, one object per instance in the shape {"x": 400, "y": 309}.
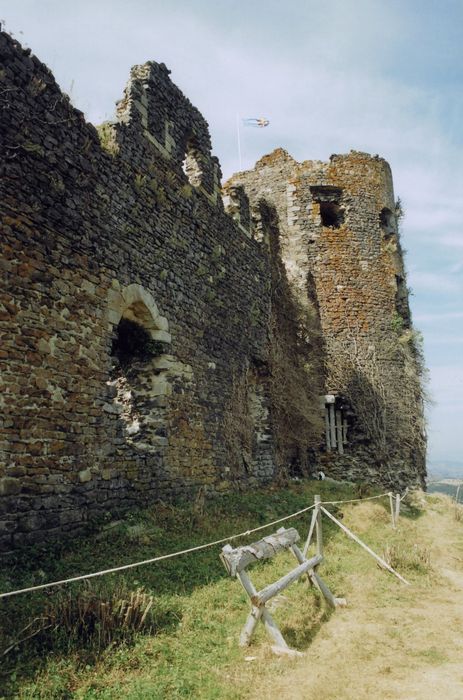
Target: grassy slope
{"x": 200, "y": 611}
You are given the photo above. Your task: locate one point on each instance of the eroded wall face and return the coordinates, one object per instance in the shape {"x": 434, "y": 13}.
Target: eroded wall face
{"x": 340, "y": 244}
{"x": 95, "y": 236}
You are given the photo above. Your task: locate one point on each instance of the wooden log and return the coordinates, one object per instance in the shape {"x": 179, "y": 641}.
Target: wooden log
{"x": 348, "y": 532}
{"x": 273, "y": 630}
{"x": 311, "y": 530}
{"x": 235, "y": 560}
{"x": 318, "y": 525}
{"x": 247, "y": 584}
{"x": 250, "y": 625}
{"x": 274, "y": 588}
{"x": 339, "y": 432}
{"x": 265, "y": 616}
{"x": 315, "y": 578}
{"x": 392, "y": 510}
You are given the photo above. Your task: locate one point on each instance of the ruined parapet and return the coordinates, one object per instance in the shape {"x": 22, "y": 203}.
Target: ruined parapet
{"x": 155, "y": 114}
{"x": 236, "y": 204}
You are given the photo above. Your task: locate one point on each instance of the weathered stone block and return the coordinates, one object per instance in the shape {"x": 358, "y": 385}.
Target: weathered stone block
{"x": 10, "y": 486}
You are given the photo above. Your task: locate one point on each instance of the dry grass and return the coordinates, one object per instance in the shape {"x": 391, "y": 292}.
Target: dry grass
{"x": 91, "y": 618}
{"x": 402, "y": 557}
{"x": 392, "y": 641}
{"x": 360, "y": 518}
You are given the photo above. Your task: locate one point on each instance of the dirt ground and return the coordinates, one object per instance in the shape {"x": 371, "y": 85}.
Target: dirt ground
{"x": 407, "y": 645}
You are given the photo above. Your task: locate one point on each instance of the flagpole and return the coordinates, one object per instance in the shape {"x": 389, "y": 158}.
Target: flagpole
{"x": 239, "y": 138}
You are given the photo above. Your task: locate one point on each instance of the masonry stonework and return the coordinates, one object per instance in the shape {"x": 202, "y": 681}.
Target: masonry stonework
{"x": 341, "y": 247}
{"x": 156, "y": 338}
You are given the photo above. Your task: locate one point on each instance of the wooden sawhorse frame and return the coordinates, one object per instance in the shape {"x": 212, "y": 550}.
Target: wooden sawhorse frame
{"x": 237, "y": 560}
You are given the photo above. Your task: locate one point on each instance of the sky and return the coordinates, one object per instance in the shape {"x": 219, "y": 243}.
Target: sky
{"x": 371, "y": 75}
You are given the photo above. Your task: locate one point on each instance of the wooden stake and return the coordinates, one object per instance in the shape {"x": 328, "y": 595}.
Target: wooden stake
{"x": 327, "y": 429}
{"x": 250, "y": 625}
{"x": 348, "y": 532}
{"x": 318, "y": 525}
{"x": 397, "y": 508}
{"x": 392, "y": 510}
{"x": 315, "y": 579}
{"x": 310, "y": 535}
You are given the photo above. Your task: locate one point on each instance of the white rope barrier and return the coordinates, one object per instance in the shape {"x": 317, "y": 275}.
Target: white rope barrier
{"x": 163, "y": 557}
{"x": 354, "y": 500}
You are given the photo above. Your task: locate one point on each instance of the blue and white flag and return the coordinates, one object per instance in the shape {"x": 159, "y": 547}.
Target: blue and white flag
{"x": 259, "y": 122}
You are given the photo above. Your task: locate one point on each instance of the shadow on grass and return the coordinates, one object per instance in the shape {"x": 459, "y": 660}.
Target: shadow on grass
{"x": 411, "y": 511}
{"x": 300, "y": 634}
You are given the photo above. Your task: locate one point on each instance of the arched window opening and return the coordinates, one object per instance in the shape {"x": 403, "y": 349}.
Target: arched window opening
{"x": 133, "y": 342}
{"x": 192, "y": 165}
{"x": 139, "y": 379}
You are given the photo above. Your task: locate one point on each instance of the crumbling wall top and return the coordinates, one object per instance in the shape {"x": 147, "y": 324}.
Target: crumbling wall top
{"x": 155, "y": 109}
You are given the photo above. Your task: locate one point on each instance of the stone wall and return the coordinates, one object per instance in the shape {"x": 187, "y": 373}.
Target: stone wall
{"x": 155, "y": 338}
{"x": 135, "y": 313}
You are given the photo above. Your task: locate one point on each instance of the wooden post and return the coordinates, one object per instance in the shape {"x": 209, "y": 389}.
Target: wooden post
{"x": 392, "y": 510}
{"x": 457, "y": 493}
{"x": 327, "y": 429}
{"x": 318, "y": 525}
{"x": 344, "y": 432}
{"x": 397, "y": 508}
{"x": 339, "y": 432}
{"x": 269, "y": 623}
{"x": 315, "y": 579}
{"x": 332, "y": 426}
{"x": 310, "y": 535}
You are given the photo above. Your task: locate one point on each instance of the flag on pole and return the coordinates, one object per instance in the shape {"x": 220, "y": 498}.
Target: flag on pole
{"x": 259, "y": 122}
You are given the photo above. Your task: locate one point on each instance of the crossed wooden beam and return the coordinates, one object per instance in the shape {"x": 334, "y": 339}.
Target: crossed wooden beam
{"x": 236, "y": 560}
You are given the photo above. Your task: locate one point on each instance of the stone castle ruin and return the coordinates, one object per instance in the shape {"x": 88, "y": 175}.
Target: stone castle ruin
{"x": 160, "y": 334}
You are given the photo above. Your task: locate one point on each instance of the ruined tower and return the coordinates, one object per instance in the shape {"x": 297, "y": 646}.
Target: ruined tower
{"x": 341, "y": 249}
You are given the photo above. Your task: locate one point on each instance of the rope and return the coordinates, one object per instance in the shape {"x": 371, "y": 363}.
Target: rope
{"x": 154, "y": 559}
{"x": 163, "y": 557}
{"x": 354, "y": 500}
